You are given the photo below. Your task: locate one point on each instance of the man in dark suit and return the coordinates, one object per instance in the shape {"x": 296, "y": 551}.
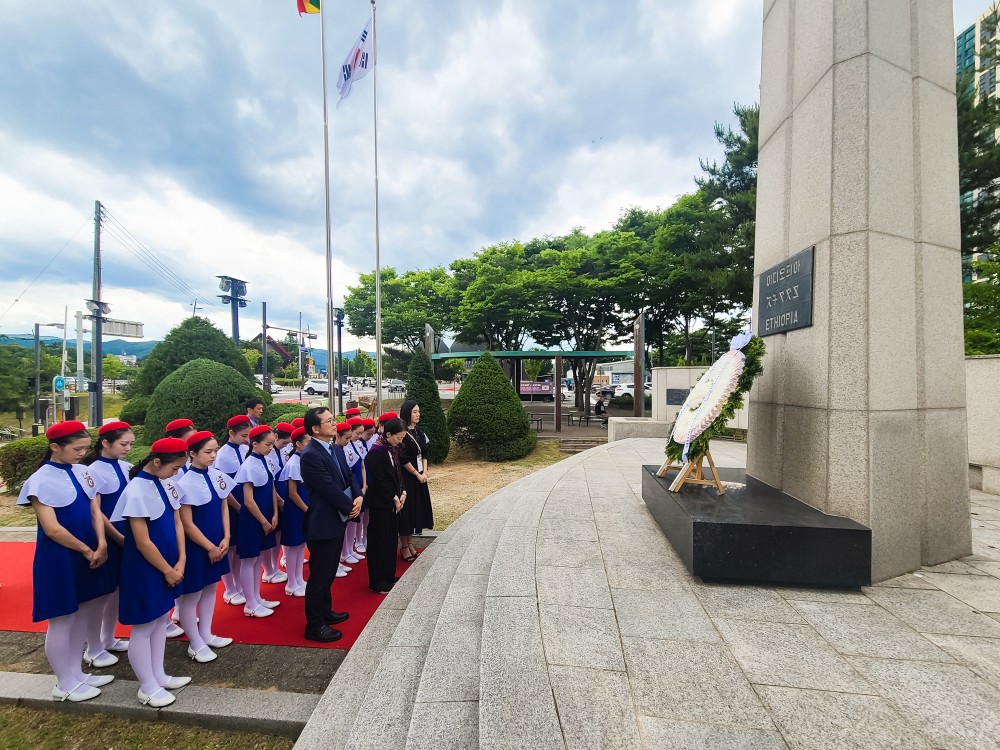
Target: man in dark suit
{"x": 333, "y": 498}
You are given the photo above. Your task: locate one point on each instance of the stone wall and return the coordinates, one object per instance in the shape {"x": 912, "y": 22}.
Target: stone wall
{"x": 982, "y": 378}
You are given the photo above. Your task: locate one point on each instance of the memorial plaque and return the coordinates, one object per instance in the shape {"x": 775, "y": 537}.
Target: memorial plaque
{"x": 677, "y": 396}
{"x": 786, "y": 295}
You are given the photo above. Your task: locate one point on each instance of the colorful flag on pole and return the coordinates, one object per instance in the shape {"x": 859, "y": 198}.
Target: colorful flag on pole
{"x": 308, "y": 6}
{"x": 357, "y": 63}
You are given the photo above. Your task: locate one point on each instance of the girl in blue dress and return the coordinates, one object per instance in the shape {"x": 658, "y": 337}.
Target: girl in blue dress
{"x": 68, "y": 572}
{"x": 178, "y": 428}
{"x": 258, "y": 519}
{"x": 205, "y": 517}
{"x": 153, "y": 560}
{"x": 355, "y": 451}
{"x": 293, "y": 536}
{"x": 110, "y": 472}
{"x": 276, "y": 461}
{"x": 228, "y": 460}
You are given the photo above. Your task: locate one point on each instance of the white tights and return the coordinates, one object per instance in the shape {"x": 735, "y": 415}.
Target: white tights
{"x": 348, "y": 546}
{"x": 109, "y": 621}
{"x": 231, "y": 580}
{"x": 196, "y": 611}
{"x": 250, "y": 578}
{"x": 92, "y": 614}
{"x": 294, "y": 559}
{"x": 270, "y": 558}
{"x": 64, "y": 649}
{"x": 145, "y": 654}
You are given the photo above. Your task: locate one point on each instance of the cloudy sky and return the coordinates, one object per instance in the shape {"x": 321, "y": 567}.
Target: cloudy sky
{"x": 199, "y": 126}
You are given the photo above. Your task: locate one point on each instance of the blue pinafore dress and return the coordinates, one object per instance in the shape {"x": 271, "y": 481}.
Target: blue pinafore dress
{"x": 280, "y": 485}
{"x": 62, "y": 578}
{"x": 359, "y": 449}
{"x": 234, "y": 519}
{"x": 292, "y": 517}
{"x": 199, "y": 484}
{"x": 145, "y": 595}
{"x": 109, "y": 500}
{"x": 252, "y": 540}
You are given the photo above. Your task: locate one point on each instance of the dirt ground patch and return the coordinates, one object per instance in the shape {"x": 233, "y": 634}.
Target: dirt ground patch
{"x": 463, "y": 480}
{"x": 13, "y": 515}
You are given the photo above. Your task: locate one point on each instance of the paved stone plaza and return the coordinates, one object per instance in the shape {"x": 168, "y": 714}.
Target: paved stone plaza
{"x": 555, "y": 615}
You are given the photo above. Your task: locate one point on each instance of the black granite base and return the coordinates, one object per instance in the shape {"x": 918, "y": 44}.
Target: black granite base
{"x": 756, "y": 533}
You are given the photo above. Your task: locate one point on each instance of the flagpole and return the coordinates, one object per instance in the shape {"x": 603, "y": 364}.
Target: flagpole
{"x": 326, "y": 186}
{"x": 378, "y": 268}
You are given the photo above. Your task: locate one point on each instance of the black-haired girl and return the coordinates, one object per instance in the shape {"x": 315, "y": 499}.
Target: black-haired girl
{"x": 153, "y": 559}
{"x": 68, "y": 572}
{"x": 293, "y": 516}
{"x": 228, "y": 460}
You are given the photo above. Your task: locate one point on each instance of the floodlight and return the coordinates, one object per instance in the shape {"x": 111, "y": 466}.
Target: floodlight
{"x": 224, "y": 283}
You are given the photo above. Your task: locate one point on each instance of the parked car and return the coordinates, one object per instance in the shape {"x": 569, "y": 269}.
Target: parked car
{"x": 396, "y": 386}
{"x": 629, "y": 388}
{"x": 608, "y": 391}
{"x": 275, "y": 388}
{"x": 317, "y": 385}
{"x": 367, "y": 382}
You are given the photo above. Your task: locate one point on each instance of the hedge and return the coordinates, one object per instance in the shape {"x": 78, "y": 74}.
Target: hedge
{"x": 284, "y": 413}
{"x": 422, "y": 388}
{"x": 20, "y": 458}
{"x": 206, "y": 392}
{"x": 134, "y": 411}
{"x": 487, "y": 414}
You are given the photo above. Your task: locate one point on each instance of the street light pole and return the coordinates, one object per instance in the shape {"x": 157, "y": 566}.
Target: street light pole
{"x": 35, "y": 428}
{"x": 338, "y": 316}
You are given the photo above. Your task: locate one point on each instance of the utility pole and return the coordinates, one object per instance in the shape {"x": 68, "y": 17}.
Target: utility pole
{"x": 37, "y": 427}
{"x": 338, "y": 319}
{"x": 235, "y": 297}
{"x": 300, "y": 344}
{"x": 81, "y": 378}
{"x": 195, "y": 307}
{"x": 263, "y": 347}
{"x": 96, "y": 416}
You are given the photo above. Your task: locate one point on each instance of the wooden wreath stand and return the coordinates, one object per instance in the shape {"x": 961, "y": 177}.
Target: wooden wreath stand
{"x": 693, "y": 472}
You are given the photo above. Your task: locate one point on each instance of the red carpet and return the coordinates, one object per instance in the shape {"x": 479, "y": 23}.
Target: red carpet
{"x": 284, "y": 628}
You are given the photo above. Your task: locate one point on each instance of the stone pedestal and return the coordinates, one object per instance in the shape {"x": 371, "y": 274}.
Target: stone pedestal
{"x": 863, "y": 414}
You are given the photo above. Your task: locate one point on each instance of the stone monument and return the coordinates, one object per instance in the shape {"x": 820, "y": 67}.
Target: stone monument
{"x": 862, "y": 413}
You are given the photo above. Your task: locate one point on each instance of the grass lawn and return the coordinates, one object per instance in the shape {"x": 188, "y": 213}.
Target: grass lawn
{"x": 113, "y": 403}
{"x": 463, "y": 479}
{"x": 28, "y": 729}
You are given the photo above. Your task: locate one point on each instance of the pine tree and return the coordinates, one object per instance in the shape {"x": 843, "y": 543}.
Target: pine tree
{"x": 422, "y": 388}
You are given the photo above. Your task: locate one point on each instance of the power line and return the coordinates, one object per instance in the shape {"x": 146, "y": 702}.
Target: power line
{"x": 44, "y": 268}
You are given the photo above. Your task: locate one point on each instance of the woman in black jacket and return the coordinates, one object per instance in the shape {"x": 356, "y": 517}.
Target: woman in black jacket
{"x": 418, "y": 514}
{"x": 385, "y": 498}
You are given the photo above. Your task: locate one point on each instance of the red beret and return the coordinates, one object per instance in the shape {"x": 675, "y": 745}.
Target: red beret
{"x": 298, "y": 422}
{"x": 62, "y": 429}
{"x": 169, "y": 445}
{"x": 197, "y": 437}
{"x": 238, "y": 421}
{"x": 353, "y": 412}
{"x": 387, "y": 416}
{"x": 298, "y": 432}
{"x": 112, "y": 426}
{"x": 285, "y": 427}
{"x": 355, "y": 422}
{"x": 259, "y": 430}
{"x": 343, "y": 427}
{"x": 368, "y": 422}
{"x": 177, "y": 424}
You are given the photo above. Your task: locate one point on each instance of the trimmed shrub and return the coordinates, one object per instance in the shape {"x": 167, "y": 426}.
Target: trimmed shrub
{"x": 134, "y": 411}
{"x": 195, "y": 338}
{"x": 422, "y": 388}
{"x": 284, "y": 413}
{"x": 487, "y": 415}
{"x": 206, "y": 392}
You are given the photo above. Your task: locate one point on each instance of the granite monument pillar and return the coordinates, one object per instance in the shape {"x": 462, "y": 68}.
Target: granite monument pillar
{"x": 862, "y": 413}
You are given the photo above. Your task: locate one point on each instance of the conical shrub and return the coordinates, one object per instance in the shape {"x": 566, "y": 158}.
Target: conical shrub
{"x": 487, "y": 415}
{"x": 422, "y": 388}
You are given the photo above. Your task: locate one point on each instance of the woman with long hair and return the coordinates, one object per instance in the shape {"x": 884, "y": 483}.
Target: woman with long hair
{"x": 228, "y": 460}
{"x": 68, "y": 574}
{"x": 293, "y": 516}
{"x": 417, "y": 513}
{"x": 385, "y": 498}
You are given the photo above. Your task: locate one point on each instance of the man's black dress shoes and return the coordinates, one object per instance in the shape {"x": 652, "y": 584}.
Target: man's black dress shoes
{"x": 332, "y": 618}
{"x": 323, "y": 635}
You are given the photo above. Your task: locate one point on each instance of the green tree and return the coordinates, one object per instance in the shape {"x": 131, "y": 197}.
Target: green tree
{"x": 409, "y": 302}
{"x": 422, "y": 388}
{"x": 195, "y": 338}
{"x": 112, "y": 368}
{"x": 487, "y": 414}
{"x": 206, "y": 392}
{"x": 982, "y": 309}
{"x": 449, "y": 369}
{"x": 531, "y": 368}
{"x": 252, "y": 357}
{"x": 15, "y": 369}
{"x": 363, "y": 366}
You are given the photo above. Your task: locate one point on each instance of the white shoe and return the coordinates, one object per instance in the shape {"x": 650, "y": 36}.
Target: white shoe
{"x": 175, "y": 618}
{"x": 219, "y": 641}
{"x": 289, "y": 591}
{"x": 101, "y": 660}
{"x": 352, "y": 559}
{"x": 281, "y": 562}
{"x": 260, "y": 611}
{"x": 174, "y": 630}
{"x": 176, "y": 683}
{"x": 269, "y": 603}
{"x": 360, "y": 548}
{"x": 202, "y": 656}
{"x": 98, "y": 680}
{"x": 342, "y": 571}
{"x": 300, "y": 591}
{"x": 82, "y": 692}
{"x": 159, "y": 699}
{"x": 279, "y": 577}
{"x": 237, "y": 600}
{"x": 119, "y": 645}
{"x": 347, "y": 568}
